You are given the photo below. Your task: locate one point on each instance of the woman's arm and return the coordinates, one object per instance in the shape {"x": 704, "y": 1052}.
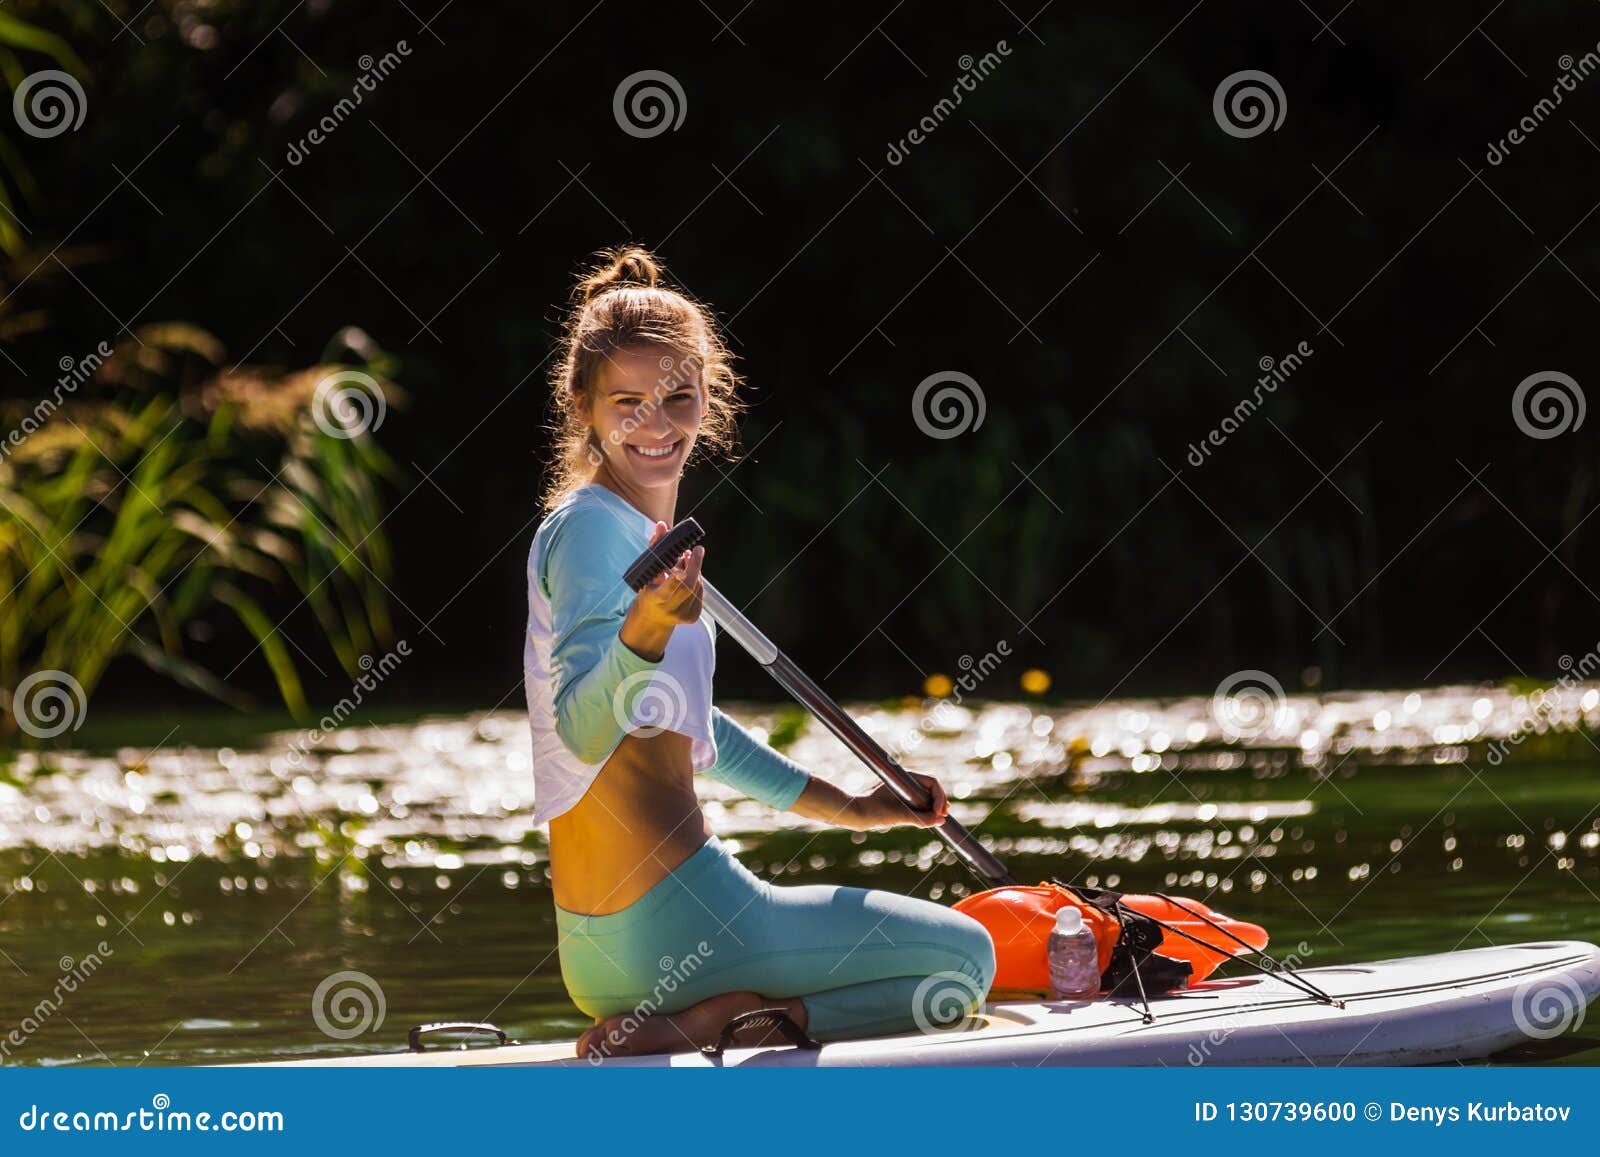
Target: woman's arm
{"x": 823, "y": 802}
{"x": 604, "y": 635}
{"x": 750, "y": 766}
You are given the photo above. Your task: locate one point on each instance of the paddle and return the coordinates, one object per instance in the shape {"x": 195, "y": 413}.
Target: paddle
{"x": 688, "y": 533}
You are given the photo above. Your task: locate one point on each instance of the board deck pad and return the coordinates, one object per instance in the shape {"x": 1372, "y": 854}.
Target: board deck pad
{"x": 1452, "y": 1006}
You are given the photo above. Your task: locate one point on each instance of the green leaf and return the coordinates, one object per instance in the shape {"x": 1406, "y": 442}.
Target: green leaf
{"x": 265, "y": 633}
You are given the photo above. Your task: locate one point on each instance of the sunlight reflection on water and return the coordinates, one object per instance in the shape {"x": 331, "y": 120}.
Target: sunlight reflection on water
{"x": 449, "y": 792}
{"x": 231, "y": 883}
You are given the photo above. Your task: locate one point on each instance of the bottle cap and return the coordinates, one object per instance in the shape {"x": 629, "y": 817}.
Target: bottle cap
{"x": 1069, "y": 921}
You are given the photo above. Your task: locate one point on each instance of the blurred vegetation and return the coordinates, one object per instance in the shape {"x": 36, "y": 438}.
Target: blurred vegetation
{"x": 21, "y": 41}
{"x": 152, "y": 491}
{"x": 129, "y": 519}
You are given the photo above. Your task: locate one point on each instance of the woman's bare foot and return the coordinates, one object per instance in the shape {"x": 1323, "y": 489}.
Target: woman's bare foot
{"x": 627, "y": 1034}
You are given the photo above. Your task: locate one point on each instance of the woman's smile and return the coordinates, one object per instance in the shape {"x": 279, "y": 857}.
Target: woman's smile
{"x": 655, "y": 453}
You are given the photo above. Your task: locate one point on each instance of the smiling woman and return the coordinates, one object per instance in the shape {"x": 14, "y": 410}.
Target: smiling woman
{"x": 665, "y": 937}
{"x": 645, "y": 371}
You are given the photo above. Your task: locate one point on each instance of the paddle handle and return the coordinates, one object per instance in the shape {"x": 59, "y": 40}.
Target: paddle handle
{"x": 850, "y": 733}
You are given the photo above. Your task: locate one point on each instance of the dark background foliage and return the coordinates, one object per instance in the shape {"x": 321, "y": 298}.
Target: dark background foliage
{"x": 448, "y": 214}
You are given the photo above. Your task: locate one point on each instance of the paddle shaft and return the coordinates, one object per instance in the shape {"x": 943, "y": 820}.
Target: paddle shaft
{"x": 815, "y": 700}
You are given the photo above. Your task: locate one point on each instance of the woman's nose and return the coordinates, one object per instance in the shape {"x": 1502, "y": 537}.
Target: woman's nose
{"x": 653, "y": 419}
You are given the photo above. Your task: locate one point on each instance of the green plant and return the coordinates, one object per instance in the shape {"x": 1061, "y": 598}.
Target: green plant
{"x": 126, "y": 517}
{"x": 18, "y": 36}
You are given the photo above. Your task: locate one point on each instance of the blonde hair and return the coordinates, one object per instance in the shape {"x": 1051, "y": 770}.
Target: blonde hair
{"x": 622, "y": 302}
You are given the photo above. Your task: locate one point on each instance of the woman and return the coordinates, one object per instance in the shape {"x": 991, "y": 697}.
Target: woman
{"x": 664, "y": 936}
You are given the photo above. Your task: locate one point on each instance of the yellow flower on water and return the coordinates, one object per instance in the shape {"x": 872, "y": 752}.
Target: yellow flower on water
{"x": 937, "y": 686}
{"x": 1035, "y": 681}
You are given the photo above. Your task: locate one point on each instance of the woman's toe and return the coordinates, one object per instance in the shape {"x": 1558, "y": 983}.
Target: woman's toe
{"x": 589, "y": 1042}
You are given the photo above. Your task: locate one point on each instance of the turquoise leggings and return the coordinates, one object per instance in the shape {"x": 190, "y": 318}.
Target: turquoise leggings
{"x": 864, "y": 962}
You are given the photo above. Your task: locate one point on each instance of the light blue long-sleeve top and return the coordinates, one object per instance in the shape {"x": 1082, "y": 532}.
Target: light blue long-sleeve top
{"x": 586, "y": 688}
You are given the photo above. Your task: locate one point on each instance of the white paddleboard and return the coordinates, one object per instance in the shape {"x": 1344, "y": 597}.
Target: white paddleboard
{"x": 1455, "y": 1006}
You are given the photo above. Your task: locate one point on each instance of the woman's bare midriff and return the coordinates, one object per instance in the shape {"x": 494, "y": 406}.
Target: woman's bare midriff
{"x": 638, "y": 821}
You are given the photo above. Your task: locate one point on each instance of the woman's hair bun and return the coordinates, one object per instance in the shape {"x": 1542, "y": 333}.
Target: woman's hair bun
{"x": 632, "y": 265}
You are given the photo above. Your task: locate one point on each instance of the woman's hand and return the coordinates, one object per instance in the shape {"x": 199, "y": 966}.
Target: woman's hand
{"x": 882, "y": 808}
{"x": 673, "y": 596}
{"x": 669, "y": 600}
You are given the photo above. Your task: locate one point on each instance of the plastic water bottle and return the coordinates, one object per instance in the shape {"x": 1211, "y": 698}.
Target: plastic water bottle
{"x": 1074, "y": 958}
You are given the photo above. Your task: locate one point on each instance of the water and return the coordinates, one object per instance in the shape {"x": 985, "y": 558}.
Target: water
{"x": 183, "y": 905}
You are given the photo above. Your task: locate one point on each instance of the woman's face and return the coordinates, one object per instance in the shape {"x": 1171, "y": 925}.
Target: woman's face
{"x": 646, "y": 413}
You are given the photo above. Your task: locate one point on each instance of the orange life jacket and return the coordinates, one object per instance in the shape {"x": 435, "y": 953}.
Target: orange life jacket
{"x": 1020, "y": 919}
